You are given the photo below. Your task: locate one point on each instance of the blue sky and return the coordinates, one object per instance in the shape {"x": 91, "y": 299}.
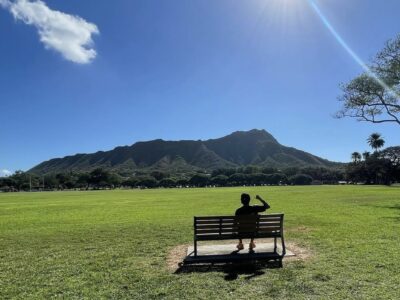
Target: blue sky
{"x": 139, "y": 70}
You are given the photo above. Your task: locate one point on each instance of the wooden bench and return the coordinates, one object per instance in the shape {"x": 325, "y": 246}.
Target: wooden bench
{"x": 216, "y": 228}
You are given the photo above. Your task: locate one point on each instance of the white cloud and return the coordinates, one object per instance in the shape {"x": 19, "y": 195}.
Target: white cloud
{"x": 70, "y": 35}
{"x": 4, "y": 172}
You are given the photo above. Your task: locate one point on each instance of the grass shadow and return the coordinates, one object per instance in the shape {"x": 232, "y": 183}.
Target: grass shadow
{"x": 232, "y": 271}
{"x": 394, "y": 207}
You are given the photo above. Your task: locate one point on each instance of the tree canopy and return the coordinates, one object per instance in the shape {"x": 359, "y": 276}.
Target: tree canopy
{"x": 375, "y": 96}
{"x": 375, "y": 141}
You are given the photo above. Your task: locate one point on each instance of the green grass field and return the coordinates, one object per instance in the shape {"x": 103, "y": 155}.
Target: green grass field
{"x": 113, "y": 244}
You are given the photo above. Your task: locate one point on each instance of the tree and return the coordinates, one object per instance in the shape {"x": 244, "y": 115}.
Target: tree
{"x": 257, "y": 178}
{"x": 158, "y": 175}
{"x": 269, "y": 170}
{"x": 276, "y": 179}
{"x": 130, "y": 182}
{"x": 114, "y": 180}
{"x": 8, "y": 184}
{"x": 50, "y": 182}
{"x": 199, "y": 180}
{"x": 83, "y": 180}
{"x": 375, "y": 97}
{"x": 219, "y": 180}
{"x": 366, "y": 155}
{"x": 379, "y": 170}
{"x": 167, "y": 183}
{"x": 300, "y": 179}
{"x": 99, "y": 178}
{"x": 290, "y": 171}
{"x": 375, "y": 141}
{"x": 250, "y": 170}
{"x": 147, "y": 181}
{"x": 393, "y": 154}
{"x": 356, "y": 157}
{"x": 182, "y": 182}
{"x": 226, "y": 172}
{"x": 238, "y": 179}
{"x": 24, "y": 181}
{"x": 356, "y": 172}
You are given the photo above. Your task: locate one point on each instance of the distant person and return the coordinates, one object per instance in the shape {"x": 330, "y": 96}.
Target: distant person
{"x": 247, "y": 209}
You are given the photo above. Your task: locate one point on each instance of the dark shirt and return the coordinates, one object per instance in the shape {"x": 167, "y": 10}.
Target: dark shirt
{"x": 250, "y": 210}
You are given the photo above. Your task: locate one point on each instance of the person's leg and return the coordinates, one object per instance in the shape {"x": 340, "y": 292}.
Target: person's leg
{"x": 252, "y": 245}
{"x": 240, "y": 245}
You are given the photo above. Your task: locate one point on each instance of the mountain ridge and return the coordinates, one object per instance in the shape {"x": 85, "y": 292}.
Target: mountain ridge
{"x": 240, "y": 148}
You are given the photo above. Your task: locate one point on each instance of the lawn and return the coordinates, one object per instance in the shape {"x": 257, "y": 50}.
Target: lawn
{"x": 114, "y": 244}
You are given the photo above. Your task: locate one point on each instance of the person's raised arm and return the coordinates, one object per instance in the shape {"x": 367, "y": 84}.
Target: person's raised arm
{"x": 265, "y": 204}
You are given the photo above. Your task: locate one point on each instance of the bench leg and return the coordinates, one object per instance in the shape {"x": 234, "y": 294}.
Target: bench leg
{"x": 195, "y": 248}
{"x": 275, "y": 245}
{"x": 283, "y": 246}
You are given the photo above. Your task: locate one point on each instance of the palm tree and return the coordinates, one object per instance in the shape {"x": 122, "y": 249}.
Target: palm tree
{"x": 366, "y": 155}
{"x": 376, "y": 141}
{"x": 356, "y": 157}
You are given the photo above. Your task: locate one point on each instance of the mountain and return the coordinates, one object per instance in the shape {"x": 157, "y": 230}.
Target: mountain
{"x": 241, "y": 148}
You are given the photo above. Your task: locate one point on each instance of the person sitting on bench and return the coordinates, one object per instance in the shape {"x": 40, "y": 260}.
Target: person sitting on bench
{"x": 248, "y": 209}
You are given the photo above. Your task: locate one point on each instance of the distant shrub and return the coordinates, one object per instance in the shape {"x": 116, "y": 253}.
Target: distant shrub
{"x": 147, "y": 182}
{"x": 167, "y": 183}
{"x": 219, "y": 180}
{"x": 300, "y": 179}
{"x": 199, "y": 180}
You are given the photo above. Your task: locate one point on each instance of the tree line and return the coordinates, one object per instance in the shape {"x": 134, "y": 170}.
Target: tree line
{"x": 104, "y": 179}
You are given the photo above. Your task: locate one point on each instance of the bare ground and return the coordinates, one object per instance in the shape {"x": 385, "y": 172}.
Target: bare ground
{"x": 177, "y": 254}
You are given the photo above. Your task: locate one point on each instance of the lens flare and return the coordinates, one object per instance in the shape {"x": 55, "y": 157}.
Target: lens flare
{"x": 354, "y": 55}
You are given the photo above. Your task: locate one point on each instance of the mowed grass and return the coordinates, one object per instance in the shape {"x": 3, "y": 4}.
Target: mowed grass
{"x": 114, "y": 244}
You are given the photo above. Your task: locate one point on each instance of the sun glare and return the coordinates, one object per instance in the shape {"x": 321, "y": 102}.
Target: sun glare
{"x": 283, "y": 12}
{"x": 284, "y": 6}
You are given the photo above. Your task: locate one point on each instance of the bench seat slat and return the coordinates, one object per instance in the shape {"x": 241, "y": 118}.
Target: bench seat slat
{"x": 234, "y": 223}
{"x": 212, "y": 223}
{"x": 230, "y": 216}
{"x": 227, "y": 222}
{"x": 260, "y": 217}
{"x": 217, "y": 226}
{"x": 235, "y": 230}
{"x": 224, "y": 221}
{"x": 216, "y": 237}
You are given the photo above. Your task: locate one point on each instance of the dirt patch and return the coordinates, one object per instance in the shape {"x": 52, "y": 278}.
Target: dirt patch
{"x": 301, "y": 253}
{"x": 178, "y": 253}
{"x": 175, "y": 256}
